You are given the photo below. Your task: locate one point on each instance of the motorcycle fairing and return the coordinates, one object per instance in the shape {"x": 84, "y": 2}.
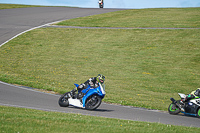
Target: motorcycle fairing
{"x": 76, "y": 85}
{"x": 93, "y": 91}
{"x": 189, "y": 114}
{"x": 182, "y": 95}
{"x": 88, "y": 92}
{"x": 191, "y": 107}
{"x": 75, "y": 102}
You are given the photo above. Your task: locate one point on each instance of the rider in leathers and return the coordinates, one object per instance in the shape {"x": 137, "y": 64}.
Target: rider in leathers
{"x": 192, "y": 95}
{"x": 93, "y": 82}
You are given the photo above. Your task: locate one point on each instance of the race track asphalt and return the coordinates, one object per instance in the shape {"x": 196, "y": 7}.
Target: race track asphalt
{"x": 15, "y": 96}
{"x": 15, "y": 21}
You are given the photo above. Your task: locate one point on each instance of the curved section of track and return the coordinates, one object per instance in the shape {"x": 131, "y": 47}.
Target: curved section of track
{"x": 22, "y": 97}
{"x": 13, "y": 22}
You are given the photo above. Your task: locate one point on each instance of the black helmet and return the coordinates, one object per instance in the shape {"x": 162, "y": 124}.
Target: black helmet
{"x": 197, "y": 92}
{"x": 100, "y": 78}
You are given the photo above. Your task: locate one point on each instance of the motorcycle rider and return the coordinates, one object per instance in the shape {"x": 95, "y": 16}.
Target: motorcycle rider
{"x": 192, "y": 95}
{"x": 93, "y": 82}
{"x": 100, "y": 1}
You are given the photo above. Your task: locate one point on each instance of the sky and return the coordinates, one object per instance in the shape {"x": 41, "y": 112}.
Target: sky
{"x": 132, "y": 4}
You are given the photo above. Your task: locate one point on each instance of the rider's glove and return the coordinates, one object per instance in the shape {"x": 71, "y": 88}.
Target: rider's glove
{"x": 80, "y": 86}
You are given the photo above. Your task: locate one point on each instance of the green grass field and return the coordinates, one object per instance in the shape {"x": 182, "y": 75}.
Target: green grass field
{"x": 143, "y": 67}
{"x": 18, "y": 120}
{"x": 160, "y": 17}
{"x": 146, "y": 67}
{"x": 11, "y": 6}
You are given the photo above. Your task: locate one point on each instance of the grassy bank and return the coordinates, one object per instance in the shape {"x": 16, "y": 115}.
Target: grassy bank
{"x": 143, "y": 68}
{"x": 163, "y": 17}
{"x": 10, "y": 6}
{"x": 34, "y": 121}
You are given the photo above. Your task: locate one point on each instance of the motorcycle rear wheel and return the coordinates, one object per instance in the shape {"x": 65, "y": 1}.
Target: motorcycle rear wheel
{"x": 63, "y": 101}
{"x": 93, "y": 102}
{"x": 173, "y": 109}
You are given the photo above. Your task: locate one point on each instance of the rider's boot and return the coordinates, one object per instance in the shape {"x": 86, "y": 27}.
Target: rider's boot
{"x": 182, "y": 109}
{"x": 180, "y": 106}
{"x": 73, "y": 92}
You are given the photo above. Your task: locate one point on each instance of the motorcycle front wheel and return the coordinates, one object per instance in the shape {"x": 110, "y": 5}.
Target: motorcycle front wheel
{"x": 100, "y": 6}
{"x": 93, "y": 102}
{"x": 63, "y": 101}
{"x": 198, "y": 113}
{"x": 173, "y": 109}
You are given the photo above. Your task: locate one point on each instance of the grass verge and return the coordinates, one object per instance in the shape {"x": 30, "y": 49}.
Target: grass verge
{"x": 10, "y": 6}
{"x": 163, "y": 18}
{"x": 34, "y": 121}
{"x": 143, "y": 68}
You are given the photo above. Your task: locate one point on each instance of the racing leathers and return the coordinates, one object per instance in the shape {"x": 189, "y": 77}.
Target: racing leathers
{"x": 192, "y": 95}
{"x": 92, "y": 82}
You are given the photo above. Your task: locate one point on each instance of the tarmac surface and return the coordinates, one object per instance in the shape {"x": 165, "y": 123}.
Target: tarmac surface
{"x": 14, "y": 22}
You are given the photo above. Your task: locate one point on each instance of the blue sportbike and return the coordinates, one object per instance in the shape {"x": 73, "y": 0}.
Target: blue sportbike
{"x": 89, "y": 98}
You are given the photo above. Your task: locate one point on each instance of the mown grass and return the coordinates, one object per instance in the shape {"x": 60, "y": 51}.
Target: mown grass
{"x": 163, "y": 17}
{"x": 11, "y": 6}
{"x": 28, "y": 120}
{"x": 143, "y": 68}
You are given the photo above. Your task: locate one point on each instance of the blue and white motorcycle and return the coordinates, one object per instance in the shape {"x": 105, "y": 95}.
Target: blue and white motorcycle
{"x": 89, "y": 98}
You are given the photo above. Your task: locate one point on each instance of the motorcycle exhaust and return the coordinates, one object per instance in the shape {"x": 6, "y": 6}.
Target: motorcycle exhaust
{"x": 175, "y": 102}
